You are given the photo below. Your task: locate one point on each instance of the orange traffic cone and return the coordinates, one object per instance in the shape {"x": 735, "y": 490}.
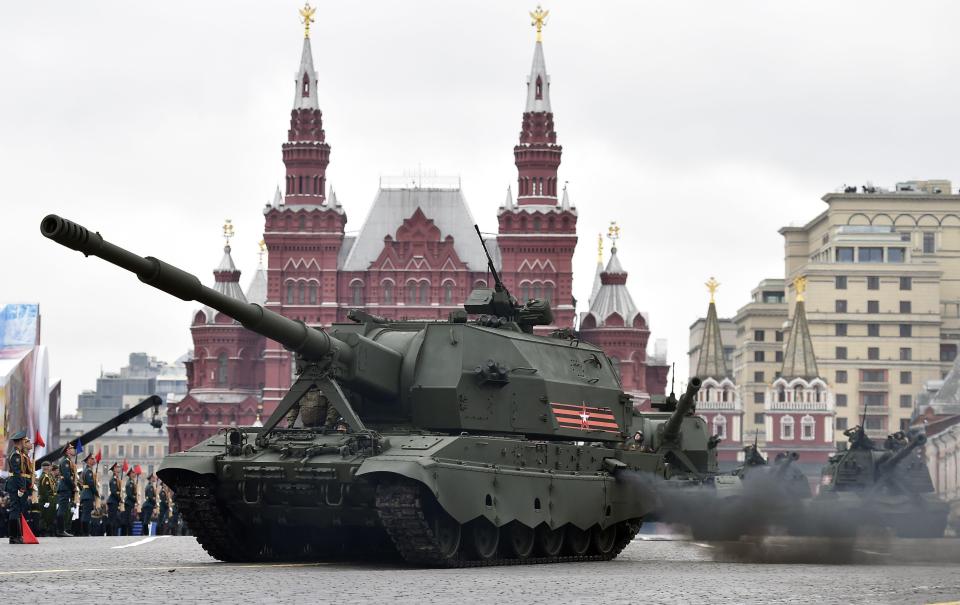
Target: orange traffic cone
{"x": 28, "y": 537}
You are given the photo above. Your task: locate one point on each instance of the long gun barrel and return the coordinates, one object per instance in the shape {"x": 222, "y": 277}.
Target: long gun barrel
{"x": 891, "y": 463}
{"x": 671, "y": 429}
{"x": 121, "y": 418}
{"x": 310, "y": 343}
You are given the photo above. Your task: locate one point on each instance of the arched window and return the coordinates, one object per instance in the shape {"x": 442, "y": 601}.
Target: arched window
{"x": 536, "y": 290}
{"x": 720, "y": 426}
{"x": 301, "y": 293}
{"x": 798, "y": 393}
{"x": 357, "y": 293}
{"x": 388, "y": 293}
{"x": 536, "y": 223}
{"x": 539, "y": 88}
{"x": 302, "y": 222}
{"x": 222, "y": 369}
{"x": 807, "y": 428}
{"x": 448, "y": 293}
{"x": 411, "y": 293}
{"x": 289, "y": 293}
{"x": 313, "y": 294}
{"x": 316, "y": 185}
{"x": 786, "y": 428}
{"x": 306, "y": 85}
{"x": 548, "y": 293}
{"x": 424, "y": 293}
{"x": 781, "y": 394}
{"x": 524, "y": 293}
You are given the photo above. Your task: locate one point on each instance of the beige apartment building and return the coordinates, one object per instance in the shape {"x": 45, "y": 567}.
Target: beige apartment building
{"x": 882, "y": 302}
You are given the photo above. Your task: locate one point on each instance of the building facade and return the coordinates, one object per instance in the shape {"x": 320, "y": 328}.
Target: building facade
{"x": 416, "y": 256}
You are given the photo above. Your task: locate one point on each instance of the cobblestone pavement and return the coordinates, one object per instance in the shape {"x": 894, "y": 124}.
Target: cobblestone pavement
{"x": 176, "y": 569}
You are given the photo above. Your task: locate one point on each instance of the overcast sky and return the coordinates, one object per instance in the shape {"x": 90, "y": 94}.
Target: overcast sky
{"x": 702, "y": 127}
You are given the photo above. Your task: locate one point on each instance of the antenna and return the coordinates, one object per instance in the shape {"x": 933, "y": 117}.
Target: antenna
{"x": 499, "y": 287}
{"x": 673, "y": 376}
{"x": 756, "y": 436}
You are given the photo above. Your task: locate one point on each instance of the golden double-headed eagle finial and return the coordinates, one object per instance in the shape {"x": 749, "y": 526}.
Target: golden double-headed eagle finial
{"x": 613, "y": 232}
{"x": 712, "y": 284}
{"x": 800, "y": 285}
{"x": 539, "y": 17}
{"x": 306, "y": 17}
{"x": 263, "y": 248}
{"x": 227, "y": 230}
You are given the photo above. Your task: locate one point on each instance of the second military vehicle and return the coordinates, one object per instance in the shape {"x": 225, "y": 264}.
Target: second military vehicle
{"x": 466, "y": 442}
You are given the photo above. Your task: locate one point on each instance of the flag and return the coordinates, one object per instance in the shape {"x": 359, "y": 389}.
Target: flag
{"x": 28, "y": 537}
{"x": 98, "y": 457}
{"x": 137, "y": 470}
{"x": 79, "y": 446}
{"x": 126, "y": 466}
{"x": 38, "y": 440}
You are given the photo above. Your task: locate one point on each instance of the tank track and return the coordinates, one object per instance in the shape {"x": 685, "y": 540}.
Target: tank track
{"x": 401, "y": 511}
{"x": 210, "y": 524}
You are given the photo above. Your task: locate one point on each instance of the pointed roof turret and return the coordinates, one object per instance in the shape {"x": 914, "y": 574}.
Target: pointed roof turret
{"x": 257, "y": 290}
{"x": 538, "y": 83}
{"x": 277, "y": 198}
{"x": 712, "y": 363}
{"x": 798, "y": 358}
{"x": 305, "y": 93}
{"x": 613, "y": 297}
{"x": 508, "y": 203}
{"x": 596, "y": 276}
{"x": 226, "y": 276}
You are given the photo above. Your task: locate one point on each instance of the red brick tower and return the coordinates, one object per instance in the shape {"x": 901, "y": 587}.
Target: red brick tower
{"x": 538, "y": 231}
{"x": 225, "y": 375}
{"x": 303, "y": 230}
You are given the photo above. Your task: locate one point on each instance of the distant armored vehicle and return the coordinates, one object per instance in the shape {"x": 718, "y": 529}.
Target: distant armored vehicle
{"x": 466, "y": 442}
{"x": 869, "y": 486}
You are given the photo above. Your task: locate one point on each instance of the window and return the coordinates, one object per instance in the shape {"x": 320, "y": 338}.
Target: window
{"x": 906, "y": 401}
{"x": 758, "y": 418}
{"x": 872, "y": 399}
{"x": 106, "y": 451}
{"x": 906, "y": 330}
{"x": 151, "y": 451}
{"x": 870, "y": 255}
{"x": 873, "y": 423}
{"x": 447, "y": 293}
{"x": 906, "y": 377}
{"x": 388, "y": 293}
{"x": 778, "y": 335}
{"x": 807, "y": 425}
{"x": 873, "y": 306}
{"x": 411, "y": 293}
{"x": 757, "y": 397}
{"x": 301, "y": 293}
{"x": 841, "y": 377}
{"x": 290, "y": 293}
{"x": 841, "y": 400}
{"x": 758, "y": 376}
{"x": 906, "y": 353}
{"x": 758, "y": 335}
{"x": 840, "y": 329}
{"x": 720, "y": 426}
{"x": 842, "y": 425}
{"x": 840, "y": 306}
{"x": 906, "y": 283}
{"x": 929, "y": 242}
{"x": 873, "y": 283}
{"x": 873, "y": 329}
{"x": 844, "y": 255}
{"x": 896, "y": 255}
{"x": 778, "y": 356}
{"x": 221, "y": 369}
{"x": 873, "y": 353}
{"x": 841, "y": 353}
{"x": 840, "y": 282}
{"x": 424, "y": 293}
{"x": 136, "y": 451}
{"x": 121, "y": 451}
{"x": 905, "y": 306}
{"x": 758, "y": 355}
{"x": 873, "y": 375}
{"x": 548, "y": 293}
{"x": 356, "y": 296}
{"x": 786, "y": 428}
{"x": 312, "y": 294}
{"x": 948, "y": 352}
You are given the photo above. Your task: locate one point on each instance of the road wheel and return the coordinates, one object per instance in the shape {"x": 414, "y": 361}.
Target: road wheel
{"x": 602, "y": 541}
{"x": 446, "y": 531}
{"x": 519, "y": 540}
{"x": 548, "y": 542}
{"x": 577, "y": 540}
{"x": 484, "y": 539}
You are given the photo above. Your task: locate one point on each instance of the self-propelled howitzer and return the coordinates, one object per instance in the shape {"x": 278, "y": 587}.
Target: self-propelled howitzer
{"x": 468, "y": 440}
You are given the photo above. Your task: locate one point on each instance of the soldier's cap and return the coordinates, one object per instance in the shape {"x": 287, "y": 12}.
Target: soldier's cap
{"x": 18, "y": 436}
{"x": 89, "y": 456}
{"x": 70, "y": 444}
{"x": 131, "y": 472}
{"x": 46, "y": 464}
{"x": 113, "y": 466}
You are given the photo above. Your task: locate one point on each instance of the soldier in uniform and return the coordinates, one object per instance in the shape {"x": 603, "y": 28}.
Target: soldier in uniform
{"x": 314, "y": 410}
{"x": 66, "y": 491}
{"x": 149, "y": 503}
{"x": 129, "y": 503}
{"x": 89, "y": 494}
{"x": 18, "y": 486}
{"x": 48, "y": 499}
{"x": 113, "y": 501}
{"x": 163, "y": 510}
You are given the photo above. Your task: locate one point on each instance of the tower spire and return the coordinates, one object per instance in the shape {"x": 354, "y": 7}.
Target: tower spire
{"x": 798, "y": 358}
{"x": 712, "y": 363}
